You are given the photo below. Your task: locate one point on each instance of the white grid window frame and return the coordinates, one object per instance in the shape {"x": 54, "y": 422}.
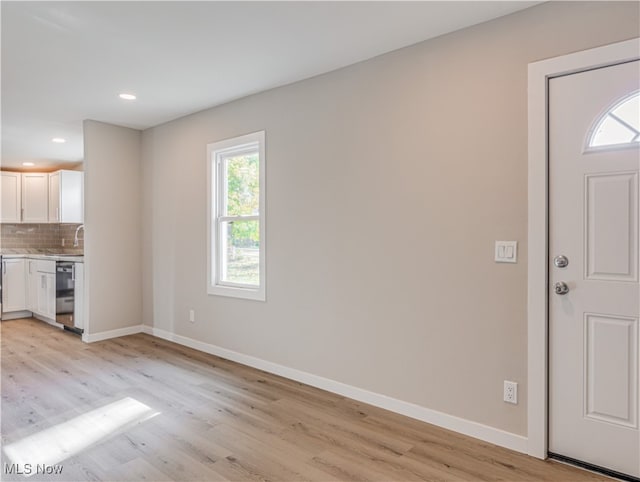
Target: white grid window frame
{"x": 624, "y": 121}
{"x": 216, "y": 217}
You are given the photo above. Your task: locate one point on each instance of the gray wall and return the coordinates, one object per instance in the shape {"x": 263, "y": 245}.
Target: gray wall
{"x": 113, "y": 271}
{"x": 387, "y": 184}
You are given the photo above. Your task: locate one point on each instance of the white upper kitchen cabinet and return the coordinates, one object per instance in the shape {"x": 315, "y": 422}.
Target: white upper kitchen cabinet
{"x": 66, "y": 197}
{"x": 35, "y": 197}
{"x": 10, "y": 190}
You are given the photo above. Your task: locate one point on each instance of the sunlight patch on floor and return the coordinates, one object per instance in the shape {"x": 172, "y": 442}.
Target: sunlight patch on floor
{"x": 69, "y": 438}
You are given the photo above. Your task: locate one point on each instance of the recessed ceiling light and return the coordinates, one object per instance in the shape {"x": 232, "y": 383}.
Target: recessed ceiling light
{"x": 128, "y": 96}
{"x": 28, "y": 164}
{"x": 58, "y": 140}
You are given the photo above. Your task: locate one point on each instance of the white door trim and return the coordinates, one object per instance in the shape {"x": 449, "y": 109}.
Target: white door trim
{"x": 538, "y": 235}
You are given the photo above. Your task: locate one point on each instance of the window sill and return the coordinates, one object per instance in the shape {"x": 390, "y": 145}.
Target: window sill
{"x": 255, "y": 294}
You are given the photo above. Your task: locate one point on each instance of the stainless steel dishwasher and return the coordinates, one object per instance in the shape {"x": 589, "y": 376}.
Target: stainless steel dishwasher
{"x": 65, "y": 293}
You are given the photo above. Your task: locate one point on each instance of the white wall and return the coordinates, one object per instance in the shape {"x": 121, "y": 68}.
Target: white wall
{"x": 387, "y": 184}
{"x": 113, "y": 272}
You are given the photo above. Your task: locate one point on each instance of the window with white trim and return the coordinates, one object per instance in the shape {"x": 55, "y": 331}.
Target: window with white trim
{"x": 236, "y": 191}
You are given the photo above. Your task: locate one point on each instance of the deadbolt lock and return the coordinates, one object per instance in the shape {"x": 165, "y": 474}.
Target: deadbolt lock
{"x": 561, "y": 261}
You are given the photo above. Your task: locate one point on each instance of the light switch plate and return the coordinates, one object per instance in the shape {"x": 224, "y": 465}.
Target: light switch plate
{"x": 506, "y": 252}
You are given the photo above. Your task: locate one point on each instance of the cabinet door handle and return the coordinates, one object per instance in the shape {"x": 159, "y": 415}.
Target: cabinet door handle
{"x": 22, "y": 214}
{"x": 4, "y": 267}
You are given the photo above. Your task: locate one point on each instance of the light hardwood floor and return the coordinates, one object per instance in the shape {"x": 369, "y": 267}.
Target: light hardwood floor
{"x": 215, "y": 420}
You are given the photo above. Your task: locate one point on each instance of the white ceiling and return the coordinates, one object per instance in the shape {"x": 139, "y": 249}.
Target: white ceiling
{"x": 63, "y": 62}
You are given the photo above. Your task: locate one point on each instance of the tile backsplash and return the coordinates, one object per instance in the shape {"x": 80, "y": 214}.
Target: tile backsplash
{"x": 45, "y": 238}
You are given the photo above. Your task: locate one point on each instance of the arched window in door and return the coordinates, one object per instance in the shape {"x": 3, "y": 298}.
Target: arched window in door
{"x": 619, "y": 126}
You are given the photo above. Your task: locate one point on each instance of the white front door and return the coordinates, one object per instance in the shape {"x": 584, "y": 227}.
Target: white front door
{"x": 594, "y": 340}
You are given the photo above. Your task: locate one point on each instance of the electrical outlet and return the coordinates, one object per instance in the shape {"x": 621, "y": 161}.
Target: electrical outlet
{"x": 192, "y": 316}
{"x": 510, "y": 392}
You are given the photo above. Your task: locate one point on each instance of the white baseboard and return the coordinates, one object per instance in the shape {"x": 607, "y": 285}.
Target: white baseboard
{"x": 105, "y": 335}
{"x": 16, "y": 315}
{"x": 473, "y": 429}
{"x": 48, "y": 320}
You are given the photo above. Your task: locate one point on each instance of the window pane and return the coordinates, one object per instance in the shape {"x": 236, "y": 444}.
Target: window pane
{"x": 612, "y": 132}
{"x": 236, "y": 223}
{"x": 242, "y": 186}
{"x": 629, "y": 112}
{"x": 621, "y": 125}
{"x": 240, "y": 253}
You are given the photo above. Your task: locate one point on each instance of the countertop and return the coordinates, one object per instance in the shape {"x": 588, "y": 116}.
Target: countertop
{"x": 76, "y": 258}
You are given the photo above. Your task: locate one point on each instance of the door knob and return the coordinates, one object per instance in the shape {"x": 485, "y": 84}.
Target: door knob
{"x": 560, "y": 261}
{"x": 561, "y": 288}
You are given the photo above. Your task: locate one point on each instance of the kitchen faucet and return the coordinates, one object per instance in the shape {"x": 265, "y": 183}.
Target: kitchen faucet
{"x": 75, "y": 238}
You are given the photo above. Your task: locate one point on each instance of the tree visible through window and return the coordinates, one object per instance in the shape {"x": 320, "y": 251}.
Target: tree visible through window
{"x": 237, "y": 217}
{"x": 240, "y": 263}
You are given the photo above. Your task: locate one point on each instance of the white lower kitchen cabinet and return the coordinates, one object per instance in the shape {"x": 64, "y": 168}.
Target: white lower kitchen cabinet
{"x": 46, "y": 289}
{"x": 14, "y": 286}
{"x": 32, "y": 284}
{"x": 30, "y": 287}
{"x": 47, "y": 295}
{"x": 78, "y": 309}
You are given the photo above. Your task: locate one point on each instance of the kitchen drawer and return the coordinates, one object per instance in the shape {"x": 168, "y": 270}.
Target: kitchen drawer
{"x": 46, "y": 266}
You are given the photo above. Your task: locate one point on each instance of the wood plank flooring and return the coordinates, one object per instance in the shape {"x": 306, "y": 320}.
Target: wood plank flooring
{"x": 205, "y": 418}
